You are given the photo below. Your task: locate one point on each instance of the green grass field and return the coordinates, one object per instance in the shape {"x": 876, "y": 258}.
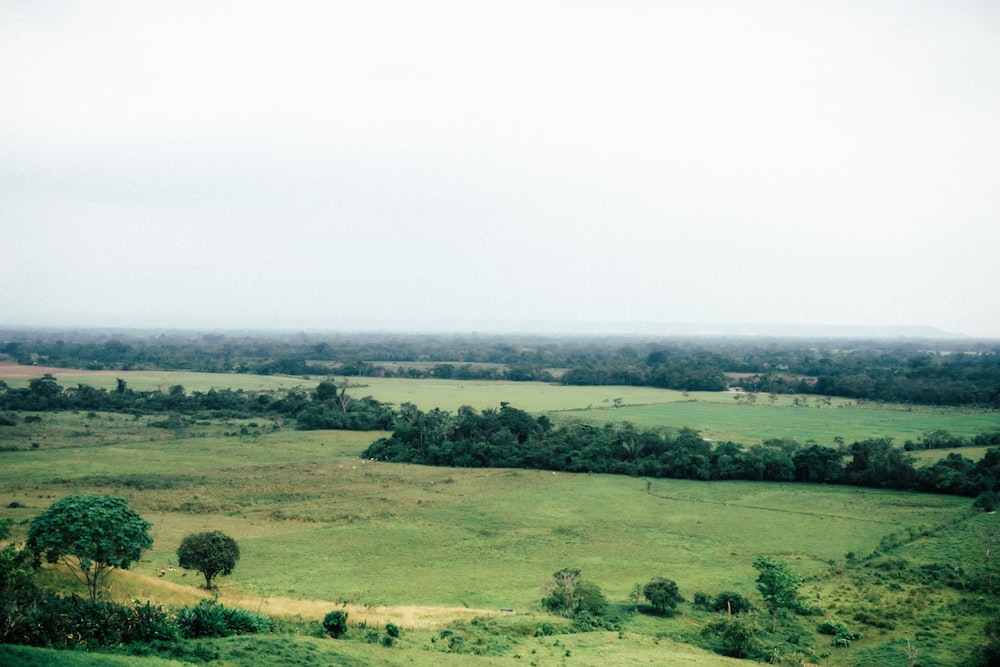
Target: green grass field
{"x": 319, "y": 528}
{"x": 718, "y": 415}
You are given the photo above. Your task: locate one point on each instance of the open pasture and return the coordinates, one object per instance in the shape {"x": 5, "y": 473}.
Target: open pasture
{"x": 321, "y": 529}
{"x": 718, "y": 415}
{"x": 316, "y": 522}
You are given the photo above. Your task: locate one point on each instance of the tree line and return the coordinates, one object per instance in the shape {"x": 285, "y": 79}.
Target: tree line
{"x": 327, "y": 406}
{"x": 944, "y": 372}
{"x": 507, "y": 437}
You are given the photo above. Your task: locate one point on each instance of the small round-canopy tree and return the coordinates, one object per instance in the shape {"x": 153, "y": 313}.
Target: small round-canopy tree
{"x": 662, "y": 594}
{"x": 90, "y": 535}
{"x": 210, "y": 553}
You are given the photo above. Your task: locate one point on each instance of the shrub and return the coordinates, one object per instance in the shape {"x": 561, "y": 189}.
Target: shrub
{"x": 987, "y": 501}
{"x": 731, "y": 602}
{"x": 208, "y": 618}
{"x": 702, "y": 599}
{"x": 74, "y": 622}
{"x": 392, "y": 630}
{"x": 662, "y": 594}
{"x": 335, "y": 623}
{"x": 570, "y": 596}
{"x": 842, "y": 635}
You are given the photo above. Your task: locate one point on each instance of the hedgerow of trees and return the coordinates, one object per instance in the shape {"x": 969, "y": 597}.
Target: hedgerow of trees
{"x": 511, "y": 438}
{"x": 507, "y": 437}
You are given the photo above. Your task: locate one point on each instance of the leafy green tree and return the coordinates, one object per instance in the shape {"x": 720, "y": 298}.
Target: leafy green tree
{"x": 662, "y": 594}
{"x": 731, "y": 603}
{"x": 740, "y": 634}
{"x": 211, "y": 553}
{"x": 778, "y": 584}
{"x": 90, "y": 535}
{"x": 567, "y": 594}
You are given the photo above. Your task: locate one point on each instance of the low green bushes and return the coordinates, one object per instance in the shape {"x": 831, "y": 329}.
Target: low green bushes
{"x": 335, "y": 623}
{"x": 842, "y": 635}
{"x": 74, "y": 622}
{"x": 208, "y": 618}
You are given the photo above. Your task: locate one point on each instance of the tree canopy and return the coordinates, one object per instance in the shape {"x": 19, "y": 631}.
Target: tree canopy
{"x": 211, "y": 553}
{"x": 569, "y": 595}
{"x": 90, "y": 535}
{"x": 662, "y": 594}
{"x": 778, "y": 584}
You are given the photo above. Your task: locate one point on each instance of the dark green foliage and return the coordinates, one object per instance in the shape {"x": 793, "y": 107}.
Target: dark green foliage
{"x": 335, "y": 623}
{"x": 662, "y": 594}
{"x": 567, "y": 594}
{"x": 211, "y": 553}
{"x": 7, "y": 524}
{"x": 988, "y": 501}
{"x": 180, "y": 409}
{"x": 208, "y": 618}
{"x": 842, "y": 635}
{"x": 732, "y": 603}
{"x": 74, "y": 622}
{"x": 392, "y": 630}
{"x": 739, "y": 635}
{"x": 90, "y": 535}
{"x": 511, "y": 438}
{"x": 987, "y": 654}
{"x": 778, "y": 584}
{"x": 17, "y": 588}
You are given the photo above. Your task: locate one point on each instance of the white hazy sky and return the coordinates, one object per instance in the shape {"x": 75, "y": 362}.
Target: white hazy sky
{"x": 318, "y": 164}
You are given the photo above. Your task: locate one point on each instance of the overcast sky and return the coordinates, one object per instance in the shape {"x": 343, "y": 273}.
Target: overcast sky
{"x": 509, "y": 164}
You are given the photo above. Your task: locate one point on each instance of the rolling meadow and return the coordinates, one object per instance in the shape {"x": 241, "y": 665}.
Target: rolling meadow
{"x": 458, "y": 557}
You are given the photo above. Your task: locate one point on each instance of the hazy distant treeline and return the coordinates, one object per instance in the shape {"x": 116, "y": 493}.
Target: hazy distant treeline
{"x": 908, "y": 371}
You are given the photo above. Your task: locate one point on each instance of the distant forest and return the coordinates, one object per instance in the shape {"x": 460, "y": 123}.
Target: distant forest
{"x": 917, "y": 371}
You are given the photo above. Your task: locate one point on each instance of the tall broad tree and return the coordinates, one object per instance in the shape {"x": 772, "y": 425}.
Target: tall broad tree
{"x": 662, "y": 594}
{"x": 778, "y": 584}
{"x": 90, "y": 535}
{"x": 211, "y": 553}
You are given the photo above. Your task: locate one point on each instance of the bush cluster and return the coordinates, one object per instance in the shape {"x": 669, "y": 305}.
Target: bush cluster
{"x": 208, "y": 618}
{"x": 335, "y": 623}
{"x": 842, "y": 635}
{"x": 727, "y": 601}
{"x": 74, "y": 622}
